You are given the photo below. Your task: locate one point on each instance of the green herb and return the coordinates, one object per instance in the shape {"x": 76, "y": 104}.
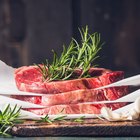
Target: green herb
{"x": 59, "y": 117}
{"x": 48, "y": 120}
{"x": 8, "y": 118}
{"x": 76, "y": 56}
{"x": 45, "y": 119}
{"x": 80, "y": 119}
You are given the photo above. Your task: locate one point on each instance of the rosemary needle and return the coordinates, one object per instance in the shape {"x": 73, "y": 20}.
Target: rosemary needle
{"x": 80, "y": 119}
{"x": 8, "y": 118}
{"x": 76, "y": 56}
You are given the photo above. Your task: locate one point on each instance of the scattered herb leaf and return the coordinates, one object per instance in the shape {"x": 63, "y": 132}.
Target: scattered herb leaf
{"x": 80, "y": 119}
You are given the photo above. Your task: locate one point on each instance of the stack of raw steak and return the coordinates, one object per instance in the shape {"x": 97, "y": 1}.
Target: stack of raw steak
{"x": 69, "y": 95}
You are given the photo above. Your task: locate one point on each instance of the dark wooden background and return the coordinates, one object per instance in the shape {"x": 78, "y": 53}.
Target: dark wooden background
{"x": 30, "y": 29}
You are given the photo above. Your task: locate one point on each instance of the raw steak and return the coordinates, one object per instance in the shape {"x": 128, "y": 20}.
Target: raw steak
{"x": 68, "y": 94}
{"x": 71, "y": 97}
{"x": 74, "y": 109}
{"x": 30, "y": 79}
{"x": 69, "y": 109}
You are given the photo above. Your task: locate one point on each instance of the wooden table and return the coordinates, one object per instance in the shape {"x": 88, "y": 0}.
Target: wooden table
{"x": 89, "y": 128}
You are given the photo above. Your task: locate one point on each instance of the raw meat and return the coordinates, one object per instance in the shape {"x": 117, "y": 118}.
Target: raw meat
{"x": 81, "y": 108}
{"x": 69, "y": 95}
{"x": 30, "y": 79}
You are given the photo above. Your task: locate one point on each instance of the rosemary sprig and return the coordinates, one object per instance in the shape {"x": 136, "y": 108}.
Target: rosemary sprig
{"x": 59, "y": 117}
{"x": 75, "y": 56}
{"x": 8, "y": 118}
{"x": 80, "y": 119}
{"x": 45, "y": 119}
{"x": 50, "y": 121}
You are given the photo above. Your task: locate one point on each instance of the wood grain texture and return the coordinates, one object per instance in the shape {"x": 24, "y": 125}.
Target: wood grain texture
{"x": 90, "y": 127}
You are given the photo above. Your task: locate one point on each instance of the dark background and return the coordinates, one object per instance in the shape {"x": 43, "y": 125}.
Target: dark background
{"x": 30, "y": 29}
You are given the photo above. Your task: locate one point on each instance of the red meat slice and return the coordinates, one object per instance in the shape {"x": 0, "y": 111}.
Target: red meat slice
{"x": 30, "y": 79}
{"x": 81, "y": 108}
{"x": 68, "y": 94}
{"x": 115, "y": 92}
{"x": 69, "y": 109}
{"x": 71, "y": 97}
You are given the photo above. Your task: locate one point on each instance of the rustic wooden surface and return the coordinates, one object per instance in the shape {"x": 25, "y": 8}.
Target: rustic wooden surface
{"x": 90, "y": 127}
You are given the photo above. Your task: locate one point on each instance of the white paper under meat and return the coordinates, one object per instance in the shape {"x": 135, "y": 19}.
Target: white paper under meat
{"x": 7, "y": 82}
{"x": 8, "y": 87}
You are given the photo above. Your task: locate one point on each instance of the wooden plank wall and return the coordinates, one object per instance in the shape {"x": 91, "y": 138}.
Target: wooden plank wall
{"x": 30, "y": 29}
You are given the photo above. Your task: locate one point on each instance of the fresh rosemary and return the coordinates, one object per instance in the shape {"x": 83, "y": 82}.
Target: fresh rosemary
{"x": 8, "y": 117}
{"x": 50, "y": 121}
{"x": 80, "y": 119}
{"x": 77, "y": 56}
{"x": 59, "y": 117}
